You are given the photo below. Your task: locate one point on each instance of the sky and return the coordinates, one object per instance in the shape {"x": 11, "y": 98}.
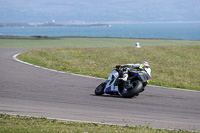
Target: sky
{"x": 99, "y": 11}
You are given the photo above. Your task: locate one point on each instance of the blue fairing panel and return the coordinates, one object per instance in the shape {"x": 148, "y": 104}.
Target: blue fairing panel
{"x": 109, "y": 90}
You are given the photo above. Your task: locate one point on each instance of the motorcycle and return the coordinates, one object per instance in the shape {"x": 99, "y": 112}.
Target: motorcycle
{"x": 135, "y": 83}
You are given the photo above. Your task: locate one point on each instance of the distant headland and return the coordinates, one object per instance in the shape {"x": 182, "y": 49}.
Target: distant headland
{"x": 49, "y": 24}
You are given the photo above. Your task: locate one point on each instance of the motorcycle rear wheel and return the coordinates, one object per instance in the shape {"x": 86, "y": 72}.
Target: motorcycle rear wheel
{"x": 100, "y": 89}
{"x": 132, "y": 91}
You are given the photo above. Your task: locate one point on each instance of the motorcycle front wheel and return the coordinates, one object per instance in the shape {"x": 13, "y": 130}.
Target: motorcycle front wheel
{"x": 100, "y": 89}
{"x": 134, "y": 90}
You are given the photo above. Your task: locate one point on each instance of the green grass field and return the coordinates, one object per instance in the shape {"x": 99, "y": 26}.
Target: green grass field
{"x": 19, "y": 124}
{"x": 35, "y": 43}
{"x": 174, "y": 63}
{"x": 171, "y": 66}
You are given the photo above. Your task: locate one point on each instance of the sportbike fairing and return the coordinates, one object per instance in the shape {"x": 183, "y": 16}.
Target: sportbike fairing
{"x": 110, "y": 82}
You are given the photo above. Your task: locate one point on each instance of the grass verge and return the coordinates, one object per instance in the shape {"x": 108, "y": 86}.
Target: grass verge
{"x": 171, "y": 66}
{"x": 24, "y": 124}
{"x": 49, "y": 42}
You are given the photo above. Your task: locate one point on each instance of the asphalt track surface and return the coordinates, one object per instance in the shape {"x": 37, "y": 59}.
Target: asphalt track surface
{"x": 27, "y": 90}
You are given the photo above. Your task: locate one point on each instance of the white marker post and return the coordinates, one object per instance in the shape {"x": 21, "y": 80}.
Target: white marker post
{"x": 137, "y": 45}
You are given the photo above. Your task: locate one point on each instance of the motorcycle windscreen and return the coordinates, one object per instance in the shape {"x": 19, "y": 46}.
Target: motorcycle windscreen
{"x": 148, "y": 70}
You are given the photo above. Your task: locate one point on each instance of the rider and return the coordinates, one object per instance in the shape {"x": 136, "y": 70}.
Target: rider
{"x": 123, "y": 69}
{"x": 137, "y": 66}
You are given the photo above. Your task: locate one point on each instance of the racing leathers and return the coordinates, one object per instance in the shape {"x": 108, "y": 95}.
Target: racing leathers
{"x": 123, "y": 70}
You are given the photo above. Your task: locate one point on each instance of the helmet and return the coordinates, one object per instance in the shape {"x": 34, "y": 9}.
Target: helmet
{"x": 145, "y": 63}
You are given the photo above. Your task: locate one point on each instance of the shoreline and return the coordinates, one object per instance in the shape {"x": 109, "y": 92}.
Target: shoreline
{"x": 59, "y": 37}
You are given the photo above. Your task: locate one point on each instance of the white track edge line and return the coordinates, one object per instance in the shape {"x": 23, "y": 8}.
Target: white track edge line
{"x": 15, "y": 58}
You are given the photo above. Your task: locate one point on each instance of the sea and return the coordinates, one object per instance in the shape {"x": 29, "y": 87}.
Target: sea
{"x": 183, "y": 31}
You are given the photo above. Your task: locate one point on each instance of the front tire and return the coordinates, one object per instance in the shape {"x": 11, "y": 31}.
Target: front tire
{"x": 100, "y": 89}
{"x": 134, "y": 90}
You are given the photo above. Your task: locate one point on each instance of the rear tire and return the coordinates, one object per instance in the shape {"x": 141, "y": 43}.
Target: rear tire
{"x": 132, "y": 91}
{"x": 100, "y": 89}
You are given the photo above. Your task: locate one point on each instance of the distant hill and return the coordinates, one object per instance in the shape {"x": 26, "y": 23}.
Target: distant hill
{"x": 29, "y": 24}
{"x": 51, "y": 24}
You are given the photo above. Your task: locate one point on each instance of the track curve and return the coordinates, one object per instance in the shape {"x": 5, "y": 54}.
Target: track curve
{"x": 27, "y": 90}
